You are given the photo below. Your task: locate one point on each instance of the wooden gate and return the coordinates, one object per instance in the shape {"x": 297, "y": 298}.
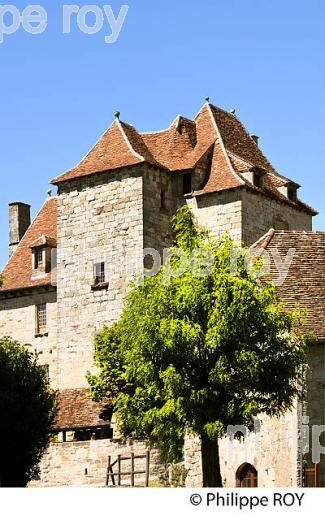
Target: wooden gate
{"x": 116, "y": 477}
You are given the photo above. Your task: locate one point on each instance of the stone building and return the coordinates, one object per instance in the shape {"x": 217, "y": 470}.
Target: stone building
{"x": 69, "y": 270}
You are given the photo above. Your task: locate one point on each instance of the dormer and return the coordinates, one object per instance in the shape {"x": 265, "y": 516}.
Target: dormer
{"x": 289, "y": 190}
{"x": 42, "y": 250}
{"x": 255, "y": 176}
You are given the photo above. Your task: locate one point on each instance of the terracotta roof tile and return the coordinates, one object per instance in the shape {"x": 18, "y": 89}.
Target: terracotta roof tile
{"x": 237, "y": 140}
{"x": 305, "y": 282}
{"x": 77, "y": 410}
{"x": 17, "y": 272}
{"x": 185, "y": 145}
{"x": 112, "y": 151}
{"x": 221, "y": 175}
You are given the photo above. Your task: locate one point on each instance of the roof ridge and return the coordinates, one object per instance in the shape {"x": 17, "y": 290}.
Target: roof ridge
{"x": 264, "y": 240}
{"x": 240, "y": 158}
{"x": 132, "y": 150}
{"x": 247, "y": 133}
{"x": 232, "y": 170}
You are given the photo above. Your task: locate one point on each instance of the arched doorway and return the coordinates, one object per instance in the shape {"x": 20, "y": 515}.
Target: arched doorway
{"x": 246, "y": 476}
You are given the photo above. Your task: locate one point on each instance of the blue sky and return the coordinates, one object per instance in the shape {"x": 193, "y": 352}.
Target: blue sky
{"x": 58, "y": 92}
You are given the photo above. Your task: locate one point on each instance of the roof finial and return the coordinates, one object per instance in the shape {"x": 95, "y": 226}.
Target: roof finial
{"x": 233, "y": 111}
{"x": 49, "y": 193}
{"x": 207, "y": 99}
{"x": 117, "y": 114}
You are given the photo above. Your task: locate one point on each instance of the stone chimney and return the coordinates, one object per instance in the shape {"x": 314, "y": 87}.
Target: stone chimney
{"x": 19, "y": 222}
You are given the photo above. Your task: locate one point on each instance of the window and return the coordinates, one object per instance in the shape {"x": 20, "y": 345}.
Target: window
{"x": 38, "y": 258}
{"x": 41, "y": 318}
{"x": 292, "y": 193}
{"x": 187, "y": 183}
{"x": 246, "y": 476}
{"x": 99, "y": 273}
{"x": 257, "y": 180}
{"x": 83, "y": 434}
{"x": 162, "y": 199}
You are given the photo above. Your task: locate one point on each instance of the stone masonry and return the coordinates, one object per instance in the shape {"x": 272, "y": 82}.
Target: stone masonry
{"x": 116, "y": 203}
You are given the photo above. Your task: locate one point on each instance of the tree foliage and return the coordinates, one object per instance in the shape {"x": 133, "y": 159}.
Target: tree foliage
{"x": 27, "y": 410}
{"x": 198, "y": 353}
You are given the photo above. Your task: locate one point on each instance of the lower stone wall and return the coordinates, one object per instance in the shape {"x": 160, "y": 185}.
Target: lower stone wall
{"x": 272, "y": 449}
{"x": 314, "y": 412}
{"x": 17, "y": 320}
{"x": 85, "y": 463}
{"x": 192, "y": 462}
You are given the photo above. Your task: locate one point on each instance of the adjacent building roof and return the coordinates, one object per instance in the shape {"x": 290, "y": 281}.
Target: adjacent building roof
{"x": 77, "y": 410}
{"x": 304, "y": 284}
{"x": 214, "y": 139}
{"x": 17, "y": 273}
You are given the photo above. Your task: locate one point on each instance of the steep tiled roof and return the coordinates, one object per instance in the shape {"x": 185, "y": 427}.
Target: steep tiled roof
{"x": 305, "y": 282}
{"x": 238, "y": 141}
{"x": 186, "y": 145}
{"x": 77, "y": 410}
{"x": 17, "y": 273}
{"x": 120, "y": 146}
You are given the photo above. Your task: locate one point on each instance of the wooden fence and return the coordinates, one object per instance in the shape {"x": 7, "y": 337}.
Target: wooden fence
{"x": 119, "y": 473}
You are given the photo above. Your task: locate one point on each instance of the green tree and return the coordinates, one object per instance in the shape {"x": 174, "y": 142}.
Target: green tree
{"x": 27, "y": 410}
{"x": 200, "y": 352}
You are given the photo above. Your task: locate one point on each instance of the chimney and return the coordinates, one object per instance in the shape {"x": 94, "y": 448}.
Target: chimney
{"x": 19, "y": 222}
{"x": 255, "y": 138}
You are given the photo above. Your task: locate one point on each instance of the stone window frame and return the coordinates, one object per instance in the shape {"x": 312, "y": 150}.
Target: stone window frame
{"x": 41, "y": 319}
{"x": 100, "y": 281}
{"x": 38, "y": 258}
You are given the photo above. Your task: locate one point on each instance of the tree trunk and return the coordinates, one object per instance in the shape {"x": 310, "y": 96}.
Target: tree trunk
{"x": 210, "y": 463}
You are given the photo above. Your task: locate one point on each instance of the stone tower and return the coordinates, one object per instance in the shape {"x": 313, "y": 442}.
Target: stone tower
{"x": 69, "y": 270}
{"x": 120, "y": 198}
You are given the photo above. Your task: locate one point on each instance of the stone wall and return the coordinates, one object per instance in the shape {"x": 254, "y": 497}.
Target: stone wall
{"x": 272, "y": 449}
{"x": 18, "y": 321}
{"x": 85, "y": 463}
{"x": 100, "y": 219}
{"x": 245, "y": 215}
{"x": 219, "y": 212}
{"x": 193, "y": 461}
{"x": 260, "y": 213}
{"x": 314, "y": 408}
{"x": 157, "y": 229}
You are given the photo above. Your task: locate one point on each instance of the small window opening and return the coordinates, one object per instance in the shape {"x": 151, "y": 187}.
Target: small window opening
{"x": 38, "y": 258}
{"x": 41, "y": 318}
{"x": 162, "y": 199}
{"x": 292, "y": 193}
{"x": 99, "y": 273}
{"x": 257, "y": 180}
{"x": 187, "y": 183}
